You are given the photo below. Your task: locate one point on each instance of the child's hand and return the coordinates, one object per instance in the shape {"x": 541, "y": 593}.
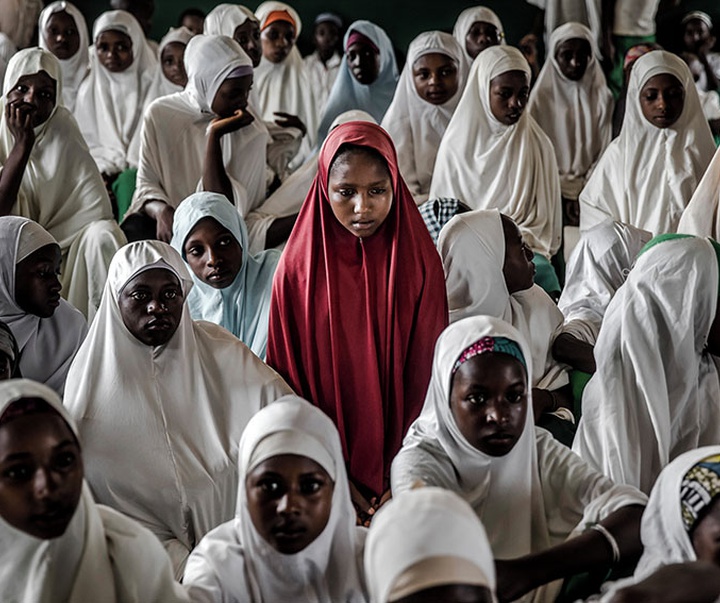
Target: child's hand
{"x": 19, "y": 119}
{"x": 164, "y": 231}
{"x": 286, "y": 120}
{"x": 224, "y": 125}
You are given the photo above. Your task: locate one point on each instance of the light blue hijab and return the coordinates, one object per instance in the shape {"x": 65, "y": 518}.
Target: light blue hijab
{"x": 347, "y": 93}
{"x": 242, "y": 307}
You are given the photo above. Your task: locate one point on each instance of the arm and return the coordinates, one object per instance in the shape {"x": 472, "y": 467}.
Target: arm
{"x": 20, "y": 124}
{"x": 698, "y": 581}
{"x": 279, "y": 231}
{"x": 286, "y": 120}
{"x": 702, "y": 52}
{"x": 550, "y": 400}
{"x": 163, "y": 214}
{"x": 571, "y": 350}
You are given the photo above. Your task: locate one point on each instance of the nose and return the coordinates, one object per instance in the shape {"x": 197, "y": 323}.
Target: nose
{"x": 43, "y": 484}
{"x": 213, "y": 258}
{"x": 661, "y": 103}
{"x": 289, "y": 503}
{"x": 433, "y": 81}
{"x": 283, "y": 42}
{"x": 496, "y": 412}
{"x": 362, "y": 204}
{"x": 156, "y": 306}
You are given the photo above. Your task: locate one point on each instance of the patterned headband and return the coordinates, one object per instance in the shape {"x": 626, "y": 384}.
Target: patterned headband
{"x": 501, "y": 345}
{"x": 698, "y": 489}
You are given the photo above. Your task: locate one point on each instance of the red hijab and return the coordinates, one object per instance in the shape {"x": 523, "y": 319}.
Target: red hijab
{"x": 353, "y": 322}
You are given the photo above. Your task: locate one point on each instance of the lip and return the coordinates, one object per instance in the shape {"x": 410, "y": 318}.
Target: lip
{"x": 159, "y": 324}
{"x": 513, "y": 117}
{"x": 499, "y": 438}
{"x": 289, "y": 532}
{"x": 54, "y": 300}
{"x": 53, "y": 519}
{"x": 437, "y": 95}
{"x": 662, "y": 119}
{"x": 363, "y": 225}
{"x": 218, "y": 276}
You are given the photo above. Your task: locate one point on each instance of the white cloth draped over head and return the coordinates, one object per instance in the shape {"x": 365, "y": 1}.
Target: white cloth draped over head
{"x": 102, "y": 556}
{"x": 224, "y": 19}
{"x": 647, "y": 175}
{"x": 174, "y": 138}
{"x": 487, "y": 164}
{"x": 161, "y": 424}
{"x": 532, "y": 498}
{"x": 576, "y": 115}
{"x": 415, "y": 125}
{"x": 76, "y": 68}
{"x": 235, "y": 563}
{"x": 465, "y": 21}
{"x": 47, "y": 345}
{"x": 559, "y": 12}
{"x": 656, "y": 392}
{"x": 110, "y": 105}
{"x": 347, "y": 93}
{"x": 242, "y": 307}
{"x": 597, "y": 268}
{"x": 701, "y": 216}
{"x": 472, "y": 248}
{"x": 162, "y": 85}
{"x": 424, "y": 538}
{"x": 75, "y": 208}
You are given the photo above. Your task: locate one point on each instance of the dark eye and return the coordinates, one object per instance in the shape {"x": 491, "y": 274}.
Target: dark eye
{"x": 312, "y": 485}
{"x": 18, "y": 473}
{"x": 65, "y": 460}
{"x": 378, "y": 191}
{"x": 225, "y": 241}
{"x": 476, "y": 398}
{"x": 515, "y": 397}
{"x": 269, "y": 486}
{"x": 21, "y": 88}
{"x": 346, "y": 192}
{"x": 195, "y": 250}
{"x": 139, "y": 295}
{"x": 171, "y": 294}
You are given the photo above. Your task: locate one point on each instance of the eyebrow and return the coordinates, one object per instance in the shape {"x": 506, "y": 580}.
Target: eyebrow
{"x": 18, "y": 456}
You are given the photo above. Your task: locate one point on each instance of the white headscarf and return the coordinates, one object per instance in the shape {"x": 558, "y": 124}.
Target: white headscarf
{"x": 235, "y": 563}
{"x": 102, "y": 556}
{"x": 487, "y": 164}
{"x": 467, "y": 18}
{"x": 647, "y": 175}
{"x": 472, "y": 248}
{"x": 427, "y": 529}
{"x": 162, "y": 85}
{"x": 597, "y": 268}
{"x": 47, "y": 345}
{"x": 110, "y": 105}
{"x": 161, "y": 424}
{"x": 415, "y": 125}
{"x": 224, "y": 19}
{"x": 656, "y": 392}
{"x": 577, "y": 116}
{"x": 76, "y": 68}
{"x": 559, "y": 12}
{"x": 701, "y": 216}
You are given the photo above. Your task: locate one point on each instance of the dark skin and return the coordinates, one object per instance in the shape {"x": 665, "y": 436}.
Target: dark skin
{"x": 248, "y": 36}
{"x": 435, "y": 76}
{"x": 62, "y": 36}
{"x": 326, "y": 37}
{"x": 114, "y": 51}
{"x": 705, "y": 535}
{"x": 213, "y": 253}
{"x": 172, "y": 63}
{"x": 364, "y": 62}
{"x": 277, "y": 41}
{"x": 509, "y": 96}
{"x": 572, "y": 57}
{"x": 697, "y": 69}
{"x": 195, "y": 23}
{"x": 578, "y": 354}
{"x": 480, "y": 36}
{"x": 713, "y": 340}
{"x": 696, "y": 582}
{"x": 450, "y": 593}
{"x": 6, "y": 367}
{"x": 662, "y": 100}
{"x": 698, "y": 39}
{"x": 37, "y": 287}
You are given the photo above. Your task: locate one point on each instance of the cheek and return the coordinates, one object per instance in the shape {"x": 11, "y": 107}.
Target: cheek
{"x": 13, "y": 505}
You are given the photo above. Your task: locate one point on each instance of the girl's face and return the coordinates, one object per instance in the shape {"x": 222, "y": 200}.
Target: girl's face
{"x": 213, "y": 253}
{"x": 518, "y": 267}
{"x": 662, "y": 100}
{"x": 41, "y": 474}
{"x": 248, "y": 36}
{"x": 509, "y": 96}
{"x": 696, "y": 35}
{"x": 172, "y": 63}
{"x": 37, "y": 287}
{"x": 360, "y": 192}
{"x": 195, "y": 23}
{"x": 232, "y": 96}
{"x": 326, "y": 37}
{"x": 480, "y": 36}
{"x": 62, "y": 35}
{"x": 488, "y": 398}
{"x": 450, "y": 593}
{"x": 364, "y": 63}
{"x": 289, "y": 499}
{"x": 277, "y": 41}
{"x": 151, "y": 306}
{"x": 114, "y": 50}
{"x": 572, "y": 57}
{"x": 705, "y": 536}
{"x": 435, "y": 77}
{"x": 35, "y": 95}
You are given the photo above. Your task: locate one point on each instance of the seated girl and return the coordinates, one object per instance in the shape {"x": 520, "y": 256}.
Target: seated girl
{"x": 231, "y": 285}
{"x": 655, "y": 393}
{"x": 171, "y": 76}
{"x": 548, "y": 515}
{"x": 240, "y": 24}
{"x": 489, "y": 271}
{"x": 428, "y": 545}
{"x": 476, "y": 29}
{"x": 62, "y": 30}
{"x": 367, "y": 78}
{"x": 48, "y": 330}
{"x": 9, "y": 353}
{"x": 699, "y": 39}
{"x": 58, "y": 544}
{"x": 494, "y": 155}
{"x": 357, "y": 303}
{"x": 429, "y": 89}
{"x": 147, "y": 373}
{"x": 294, "y": 536}
{"x": 647, "y": 175}
{"x": 39, "y": 139}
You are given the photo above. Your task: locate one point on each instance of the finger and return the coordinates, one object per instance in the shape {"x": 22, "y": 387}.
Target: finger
{"x": 282, "y": 114}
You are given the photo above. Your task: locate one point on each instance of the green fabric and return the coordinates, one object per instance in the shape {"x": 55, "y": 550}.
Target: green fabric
{"x": 670, "y": 236}
{"x": 545, "y": 276}
{"x": 578, "y": 381}
{"x": 622, "y": 45}
{"x": 124, "y": 188}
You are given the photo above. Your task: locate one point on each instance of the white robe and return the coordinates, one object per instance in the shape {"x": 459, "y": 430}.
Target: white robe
{"x": 701, "y": 216}
{"x": 323, "y": 76}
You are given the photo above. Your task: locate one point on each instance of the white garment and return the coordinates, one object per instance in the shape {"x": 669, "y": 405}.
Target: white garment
{"x": 635, "y": 17}
{"x": 47, "y": 345}
{"x": 415, "y": 125}
{"x": 534, "y": 497}
{"x": 76, "y": 68}
{"x": 110, "y": 105}
{"x": 161, "y": 424}
{"x": 647, "y": 175}
{"x": 701, "y": 216}
{"x": 486, "y": 164}
{"x": 465, "y": 21}
{"x": 102, "y": 556}
{"x": 74, "y": 208}
{"x": 576, "y": 116}
{"x": 559, "y": 12}
{"x": 597, "y": 268}
{"x": 235, "y": 563}
{"x": 426, "y": 525}
{"x": 656, "y": 392}
{"x": 472, "y": 248}
{"x": 710, "y": 102}
{"x": 322, "y": 75}
{"x": 18, "y": 19}
{"x": 224, "y": 19}
{"x": 163, "y": 86}
{"x": 7, "y": 50}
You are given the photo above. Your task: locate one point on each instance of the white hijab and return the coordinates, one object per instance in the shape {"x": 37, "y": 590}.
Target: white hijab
{"x": 235, "y": 563}
{"x": 464, "y": 23}
{"x": 701, "y": 216}
{"x": 415, "y": 125}
{"x": 161, "y": 424}
{"x": 647, "y": 175}
{"x": 224, "y": 19}
{"x": 102, "y": 556}
{"x": 424, "y": 538}
{"x": 110, "y": 105}
{"x": 76, "y": 68}
{"x": 472, "y": 248}
{"x": 597, "y": 268}
{"x": 577, "y": 116}
{"x": 656, "y": 393}
{"x": 487, "y": 164}
{"x": 162, "y": 85}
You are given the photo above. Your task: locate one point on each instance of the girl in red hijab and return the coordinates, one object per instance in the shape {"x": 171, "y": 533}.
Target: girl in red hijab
{"x": 358, "y": 302}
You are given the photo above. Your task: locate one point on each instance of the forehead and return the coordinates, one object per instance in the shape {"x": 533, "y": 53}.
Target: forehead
{"x": 154, "y": 277}
{"x": 236, "y": 84}
{"x": 61, "y": 18}
{"x": 288, "y": 465}
{"x": 574, "y": 44}
{"x": 207, "y": 227}
{"x": 39, "y": 79}
{"x": 484, "y": 27}
{"x": 113, "y": 36}
{"x": 663, "y": 81}
{"x": 247, "y": 26}
{"x": 361, "y": 47}
{"x": 280, "y": 27}
{"x": 327, "y": 27}
{"x": 510, "y": 79}
{"x": 173, "y": 48}
{"x": 48, "y": 253}
{"x": 433, "y": 60}
{"x": 358, "y": 163}
{"x": 697, "y": 25}
{"x": 26, "y": 431}
{"x": 489, "y": 368}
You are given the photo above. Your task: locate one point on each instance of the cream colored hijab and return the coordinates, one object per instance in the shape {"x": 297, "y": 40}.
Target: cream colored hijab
{"x": 465, "y": 20}
{"x": 701, "y": 216}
